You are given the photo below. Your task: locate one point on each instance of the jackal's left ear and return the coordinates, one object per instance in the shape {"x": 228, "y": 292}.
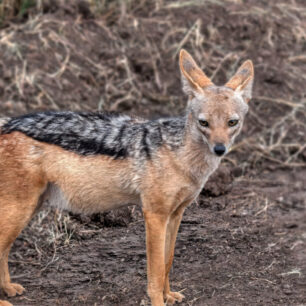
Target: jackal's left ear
{"x": 194, "y": 79}
{"x": 242, "y": 81}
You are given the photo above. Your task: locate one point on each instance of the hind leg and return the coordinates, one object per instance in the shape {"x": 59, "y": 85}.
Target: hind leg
{"x": 11, "y": 289}
{"x": 13, "y": 218}
{"x": 22, "y": 181}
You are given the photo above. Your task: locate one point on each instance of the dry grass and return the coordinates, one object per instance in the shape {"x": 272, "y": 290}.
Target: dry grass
{"x": 12, "y": 8}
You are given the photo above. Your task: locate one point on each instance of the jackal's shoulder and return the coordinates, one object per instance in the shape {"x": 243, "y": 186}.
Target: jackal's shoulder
{"x": 89, "y": 133}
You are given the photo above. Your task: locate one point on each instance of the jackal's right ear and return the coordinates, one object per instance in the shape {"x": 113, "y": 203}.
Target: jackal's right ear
{"x": 242, "y": 81}
{"x": 194, "y": 79}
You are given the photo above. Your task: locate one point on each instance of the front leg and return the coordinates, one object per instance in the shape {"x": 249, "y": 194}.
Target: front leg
{"x": 172, "y": 229}
{"x": 156, "y": 224}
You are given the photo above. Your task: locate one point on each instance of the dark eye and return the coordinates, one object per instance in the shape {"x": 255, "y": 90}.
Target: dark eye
{"x": 203, "y": 123}
{"x": 232, "y": 123}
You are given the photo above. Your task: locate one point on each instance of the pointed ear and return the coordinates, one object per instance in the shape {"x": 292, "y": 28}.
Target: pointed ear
{"x": 194, "y": 79}
{"x": 242, "y": 81}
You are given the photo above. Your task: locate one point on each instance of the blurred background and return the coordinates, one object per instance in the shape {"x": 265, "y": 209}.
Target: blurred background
{"x": 244, "y": 240}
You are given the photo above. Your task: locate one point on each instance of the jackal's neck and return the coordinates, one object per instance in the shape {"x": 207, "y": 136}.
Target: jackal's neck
{"x": 198, "y": 161}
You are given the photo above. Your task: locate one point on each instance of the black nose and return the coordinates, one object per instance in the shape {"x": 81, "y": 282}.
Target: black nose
{"x": 219, "y": 149}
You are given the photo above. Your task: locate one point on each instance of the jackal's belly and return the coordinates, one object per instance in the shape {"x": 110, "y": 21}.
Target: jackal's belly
{"x": 84, "y": 200}
{"x": 88, "y": 184}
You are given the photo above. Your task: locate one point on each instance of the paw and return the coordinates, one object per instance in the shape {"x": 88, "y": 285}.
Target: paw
{"x": 172, "y": 297}
{"x": 12, "y": 289}
{"x": 5, "y": 303}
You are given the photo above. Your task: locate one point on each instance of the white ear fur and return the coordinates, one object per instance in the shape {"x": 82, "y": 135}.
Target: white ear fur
{"x": 242, "y": 81}
{"x": 190, "y": 90}
{"x": 245, "y": 90}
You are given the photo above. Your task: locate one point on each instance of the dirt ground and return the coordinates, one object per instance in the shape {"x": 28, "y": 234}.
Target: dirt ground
{"x": 244, "y": 241}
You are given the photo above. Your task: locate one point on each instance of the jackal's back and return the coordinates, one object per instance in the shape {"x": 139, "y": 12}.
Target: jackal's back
{"x": 85, "y": 133}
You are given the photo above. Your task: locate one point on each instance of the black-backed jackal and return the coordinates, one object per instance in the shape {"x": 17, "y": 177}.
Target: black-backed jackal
{"x": 92, "y": 162}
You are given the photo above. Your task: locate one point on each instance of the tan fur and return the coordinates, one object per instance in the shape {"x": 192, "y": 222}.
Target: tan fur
{"x": 5, "y": 303}
{"x": 33, "y": 172}
{"x": 192, "y": 72}
{"x": 27, "y": 165}
{"x": 107, "y": 179}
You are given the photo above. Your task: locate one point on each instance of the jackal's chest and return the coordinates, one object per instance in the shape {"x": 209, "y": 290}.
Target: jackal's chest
{"x": 200, "y": 175}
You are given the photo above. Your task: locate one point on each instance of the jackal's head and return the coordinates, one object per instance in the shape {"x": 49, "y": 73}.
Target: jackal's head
{"x": 215, "y": 113}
